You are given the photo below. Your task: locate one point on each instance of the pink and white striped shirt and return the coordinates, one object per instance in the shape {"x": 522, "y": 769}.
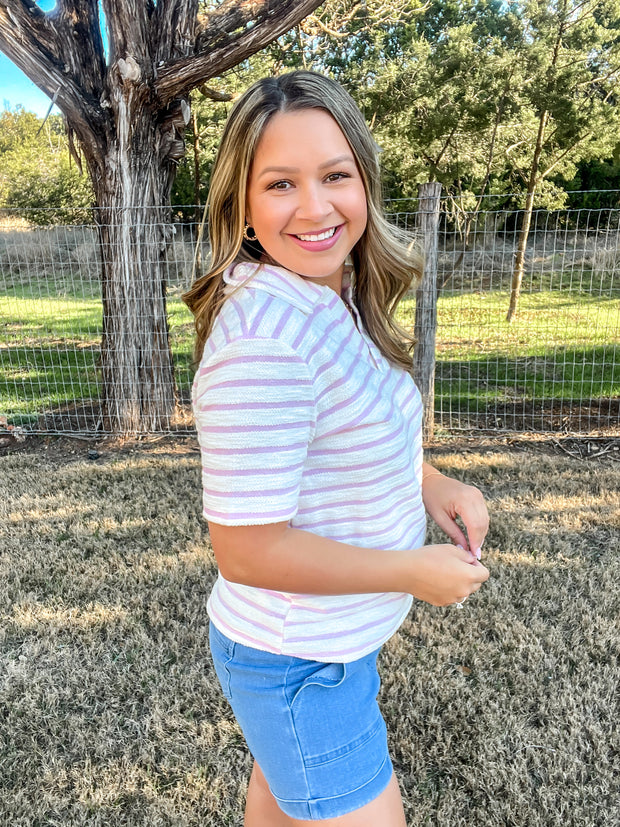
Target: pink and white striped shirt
{"x": 301, "y": 419}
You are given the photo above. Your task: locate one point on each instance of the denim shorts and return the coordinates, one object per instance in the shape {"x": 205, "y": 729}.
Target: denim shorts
{"x": 314, "y": 728}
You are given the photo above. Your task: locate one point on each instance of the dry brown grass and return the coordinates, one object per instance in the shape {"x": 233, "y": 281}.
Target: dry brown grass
{"x": 504, "y": 713}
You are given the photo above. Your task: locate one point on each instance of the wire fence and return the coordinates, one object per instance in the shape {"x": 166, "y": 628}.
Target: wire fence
{"x": 554, "y": 368}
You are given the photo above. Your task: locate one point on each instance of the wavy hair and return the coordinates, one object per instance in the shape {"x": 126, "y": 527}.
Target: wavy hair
{"x": 385, "y": 261}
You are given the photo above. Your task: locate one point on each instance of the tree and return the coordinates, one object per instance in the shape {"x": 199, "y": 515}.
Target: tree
{"x": 571, "y": 56}
{"x": 126, "y": 107}
{"x": 436, "y": 80}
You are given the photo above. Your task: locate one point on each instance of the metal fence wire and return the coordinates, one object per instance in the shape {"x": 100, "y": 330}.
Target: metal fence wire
{"x": 553, "y": 368}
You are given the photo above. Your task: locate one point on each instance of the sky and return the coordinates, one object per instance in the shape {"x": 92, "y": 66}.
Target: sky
{"x": 16, "y": 89}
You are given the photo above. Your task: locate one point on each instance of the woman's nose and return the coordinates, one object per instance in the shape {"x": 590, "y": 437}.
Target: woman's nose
{"x": 313, "y": 203}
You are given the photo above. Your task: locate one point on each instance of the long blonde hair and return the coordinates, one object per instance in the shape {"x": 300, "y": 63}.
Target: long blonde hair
{"x": 384, "y": 260}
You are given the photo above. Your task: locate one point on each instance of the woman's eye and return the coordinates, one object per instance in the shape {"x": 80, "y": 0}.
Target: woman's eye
{"x": 279, "y": 185}
{"x": 336, "y": 176}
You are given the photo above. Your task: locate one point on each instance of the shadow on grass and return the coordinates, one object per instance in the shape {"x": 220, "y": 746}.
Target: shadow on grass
{"x": 552, "y": 390}
{"x": 59, "y": 385}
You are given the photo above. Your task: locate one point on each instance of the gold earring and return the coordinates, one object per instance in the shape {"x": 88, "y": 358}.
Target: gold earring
{"x": 247, "y": 235}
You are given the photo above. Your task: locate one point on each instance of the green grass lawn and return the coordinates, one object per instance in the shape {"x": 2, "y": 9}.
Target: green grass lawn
{"x": 563, "y": 345}
{"x": 50, "y": 346}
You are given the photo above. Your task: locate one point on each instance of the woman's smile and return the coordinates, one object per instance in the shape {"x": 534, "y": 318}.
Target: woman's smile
{"x": 322, "y": 240}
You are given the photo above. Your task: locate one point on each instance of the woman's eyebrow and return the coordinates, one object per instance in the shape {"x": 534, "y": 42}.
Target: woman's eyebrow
{"x": 340, "y": 159}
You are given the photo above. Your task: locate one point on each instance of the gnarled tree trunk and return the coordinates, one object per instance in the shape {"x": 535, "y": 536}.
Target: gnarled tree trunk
{"x": 138, "y": 388}
{"x": 132, "y": 189}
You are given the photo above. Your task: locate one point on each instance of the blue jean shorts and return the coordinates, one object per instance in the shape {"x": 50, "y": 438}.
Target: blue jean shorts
{"x": 314, "y": 728}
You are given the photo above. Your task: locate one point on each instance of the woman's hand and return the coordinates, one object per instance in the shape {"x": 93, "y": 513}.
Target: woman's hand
{"x": 445, "y": 499}
{"x": 444, "y": 574}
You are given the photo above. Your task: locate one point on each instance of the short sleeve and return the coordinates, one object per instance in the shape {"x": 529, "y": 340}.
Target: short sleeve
{"x": 255, "y": 415}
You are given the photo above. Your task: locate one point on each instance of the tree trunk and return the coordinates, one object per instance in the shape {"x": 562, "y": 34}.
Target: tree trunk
{"x": 196, "y": 148}
{"x": 138, "y": 389}
{"x": 426, "y": 303}
{"x": 517, "y": 273}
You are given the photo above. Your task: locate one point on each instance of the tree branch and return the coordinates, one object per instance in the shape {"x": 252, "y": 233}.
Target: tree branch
{"x": 128, "y": 24}
{"x": 316, "y": 21}
{"x": 35, "y": 44}
{"x": 230, "y": 35}
{"x": 25, "y": 32}
{"x": 174, "y": 29}
{"x": 214, "y": 94}
{"x": 79, "y": 35}
{"x": 563, "y": 155}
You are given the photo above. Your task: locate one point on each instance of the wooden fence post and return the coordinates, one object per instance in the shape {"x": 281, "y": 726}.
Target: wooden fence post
{"x": 427, "y": 225}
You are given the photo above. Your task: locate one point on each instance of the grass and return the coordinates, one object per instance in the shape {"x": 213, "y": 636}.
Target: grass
{"x": 52, "y": 345}
{"x": 561, "y": 346}
{"x": 504, "y": 713}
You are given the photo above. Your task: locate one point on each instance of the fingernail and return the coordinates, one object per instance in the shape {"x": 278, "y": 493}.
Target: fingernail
{"x": 458, "y": 545}
{"x": 478, "y": 553}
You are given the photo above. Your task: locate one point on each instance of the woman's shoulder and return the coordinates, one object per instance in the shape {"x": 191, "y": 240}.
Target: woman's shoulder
{"x": 250, "y": 364}
{"x": 266, "y": 302}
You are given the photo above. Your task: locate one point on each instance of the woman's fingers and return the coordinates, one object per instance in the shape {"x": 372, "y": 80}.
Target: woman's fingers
{"x": 443, "y": 574}
{"x": 473, "y": 512}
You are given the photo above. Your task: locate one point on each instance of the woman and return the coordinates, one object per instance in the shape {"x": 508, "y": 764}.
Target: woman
{"x": 310, "y": 429}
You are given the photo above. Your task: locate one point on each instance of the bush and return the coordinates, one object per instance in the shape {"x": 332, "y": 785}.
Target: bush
{"x": 37, "y": 177}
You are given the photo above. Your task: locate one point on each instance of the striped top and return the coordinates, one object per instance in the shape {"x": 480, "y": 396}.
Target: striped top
{"x": 302, "y": 420}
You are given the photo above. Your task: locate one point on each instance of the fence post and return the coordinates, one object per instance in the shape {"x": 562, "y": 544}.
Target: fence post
{"x": 427, "y": 225}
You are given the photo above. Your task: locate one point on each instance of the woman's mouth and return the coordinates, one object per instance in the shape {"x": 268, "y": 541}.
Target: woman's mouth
{"x": 318, "y": 242}
{"x": 322, "y": 236}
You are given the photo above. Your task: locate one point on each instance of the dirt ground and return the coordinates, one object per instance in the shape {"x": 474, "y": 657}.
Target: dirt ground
{"x": 603, "y": 448}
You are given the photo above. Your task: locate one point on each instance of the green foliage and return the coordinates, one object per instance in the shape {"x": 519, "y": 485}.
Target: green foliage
{"x": 38, "y": 179}
{"x": 595, "y": 185}
{"x": 571, "y": 62}
{"x": 454, "y": 90}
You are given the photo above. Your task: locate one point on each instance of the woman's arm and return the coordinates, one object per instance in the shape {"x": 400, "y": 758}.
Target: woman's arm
{"x": 445, "y": 499}
{"x": 282, "y": 558}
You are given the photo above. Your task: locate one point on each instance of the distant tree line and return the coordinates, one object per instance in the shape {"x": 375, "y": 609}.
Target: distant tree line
{"x": 481, "y": 95}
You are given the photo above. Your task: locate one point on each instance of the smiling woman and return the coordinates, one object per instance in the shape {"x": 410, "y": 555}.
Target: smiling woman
{"x": 306, "y": 198}
{"x": 310, "y": 432}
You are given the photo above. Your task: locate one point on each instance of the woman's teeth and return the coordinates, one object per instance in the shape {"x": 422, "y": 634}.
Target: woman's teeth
{"x": 318, "y": 236}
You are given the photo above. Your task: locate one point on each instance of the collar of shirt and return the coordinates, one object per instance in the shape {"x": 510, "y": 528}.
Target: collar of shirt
{"x": 277, "y": 281}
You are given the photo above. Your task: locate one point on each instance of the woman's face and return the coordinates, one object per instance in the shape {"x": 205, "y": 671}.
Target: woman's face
{"x": 305, "y": 197}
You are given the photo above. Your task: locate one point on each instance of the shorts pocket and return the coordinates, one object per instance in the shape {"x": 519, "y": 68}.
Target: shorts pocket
{"x": 222, "y": 652}
{"x": 327, "y": 675}
{"x": 335, "y": 713}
